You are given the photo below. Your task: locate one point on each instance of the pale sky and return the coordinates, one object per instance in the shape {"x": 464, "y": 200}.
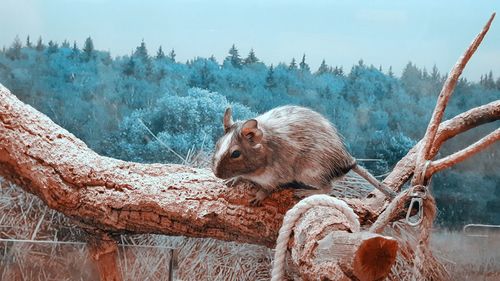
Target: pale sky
{"x": 386, "y": 33}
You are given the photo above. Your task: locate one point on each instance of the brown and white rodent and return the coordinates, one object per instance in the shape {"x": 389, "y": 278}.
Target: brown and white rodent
{"x": 286, "y": 145}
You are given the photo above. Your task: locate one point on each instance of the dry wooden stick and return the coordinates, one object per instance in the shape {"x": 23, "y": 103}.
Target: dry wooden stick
{"x": 104, "y": 251}
{"x": 470, "y": 119}
{"x": 463, "y": 154}
{"x": 444, "y": 96}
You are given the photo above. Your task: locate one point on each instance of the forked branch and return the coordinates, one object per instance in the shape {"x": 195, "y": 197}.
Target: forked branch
{"x": 448, "y": 161}
{"x": 448, "y": 129}
{"x": 444, "y": 96}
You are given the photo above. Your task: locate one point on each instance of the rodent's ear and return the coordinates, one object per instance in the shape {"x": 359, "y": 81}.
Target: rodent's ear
{"x": 251, "y": 132}
{"x": 228, "y": 119}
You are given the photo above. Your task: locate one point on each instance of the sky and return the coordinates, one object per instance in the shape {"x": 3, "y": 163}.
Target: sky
{"x": 383, "y": 33}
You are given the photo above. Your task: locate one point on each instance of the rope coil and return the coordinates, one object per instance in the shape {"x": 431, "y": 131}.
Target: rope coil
{"x": 293, "y": 215}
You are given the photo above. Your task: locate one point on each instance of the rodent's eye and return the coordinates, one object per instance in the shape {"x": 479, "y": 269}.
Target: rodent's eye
{"x": 235, "y": 154}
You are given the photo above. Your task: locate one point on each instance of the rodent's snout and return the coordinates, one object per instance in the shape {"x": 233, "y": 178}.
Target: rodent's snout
{"x": 217, "y": 172}
{"x": 220, "y": 174}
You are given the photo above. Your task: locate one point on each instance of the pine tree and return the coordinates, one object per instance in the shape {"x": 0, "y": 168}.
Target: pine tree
{"x": 144, "y": 67}
{"x": 106, "y": 58}
{"x": 203, "y": 78}
{"x": 234, "y": 57}
{"x": 53, "y": 47}
{"x": 141, "y": 52}
{"x": 14, "y": 52}
{"x": 212, "y": 58}
{"x": 497, "y": 84}
{"x": 172, "y": 55}
{"x": 39, "y": 45}
{"x": 75, "y": 52}
{"x": 160, "y": 54}
{"x": 425, "y": 74}
{"x": 338, "y": 71}
{"x": 251, "y": 58}
{"x": 293, "y": 65}
{"x": 435, "y": 76}
{"x": 65, "y": 44}
{"x": 303, "y": 65}
{"x": 270, "y": 81}
{"x": 462, "y": 83}
{"x": 129, "y": 67}
{"x": 389, "y": 72}
{"x": 490, "y": 83}
{"x": 28, "y": 42}
{"x": 88, "y": 49}
{"x": 323, "y": 68}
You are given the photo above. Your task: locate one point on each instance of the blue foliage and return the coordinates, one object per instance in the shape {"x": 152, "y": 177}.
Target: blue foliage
{"x": 174, "y": 125}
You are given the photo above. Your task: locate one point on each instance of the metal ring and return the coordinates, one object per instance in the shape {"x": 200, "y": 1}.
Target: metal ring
{"x": 420, "y": 213}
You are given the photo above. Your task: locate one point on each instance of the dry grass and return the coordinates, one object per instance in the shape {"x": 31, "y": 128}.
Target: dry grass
{"x": 468, "y": 257}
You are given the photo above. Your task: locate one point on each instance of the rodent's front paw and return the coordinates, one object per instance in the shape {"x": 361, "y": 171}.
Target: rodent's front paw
{"x": 232, "y": 181}
{"x": 256, "y": 202}
{"x": 259, "y": 197}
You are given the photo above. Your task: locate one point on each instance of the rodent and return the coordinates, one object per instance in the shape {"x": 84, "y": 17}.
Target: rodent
{"x": 288, "y": 145}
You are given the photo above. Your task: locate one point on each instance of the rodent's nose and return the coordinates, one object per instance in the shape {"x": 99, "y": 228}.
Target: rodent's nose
{"x": 220, "y": 173}
{"x": 216, "y": 171}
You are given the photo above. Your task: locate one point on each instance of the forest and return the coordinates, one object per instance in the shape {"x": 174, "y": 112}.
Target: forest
{"x": 148, "y": 107}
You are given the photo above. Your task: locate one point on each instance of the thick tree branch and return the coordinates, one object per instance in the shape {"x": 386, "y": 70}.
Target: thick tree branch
{"x": 119, "y": 196}
{"x": 324, "y": 249}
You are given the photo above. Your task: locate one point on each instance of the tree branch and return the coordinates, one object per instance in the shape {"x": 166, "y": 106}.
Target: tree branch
{"x": 403, "y": 170}
{"x": 463, "y": 154}
{"x": 444, "y": 96}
